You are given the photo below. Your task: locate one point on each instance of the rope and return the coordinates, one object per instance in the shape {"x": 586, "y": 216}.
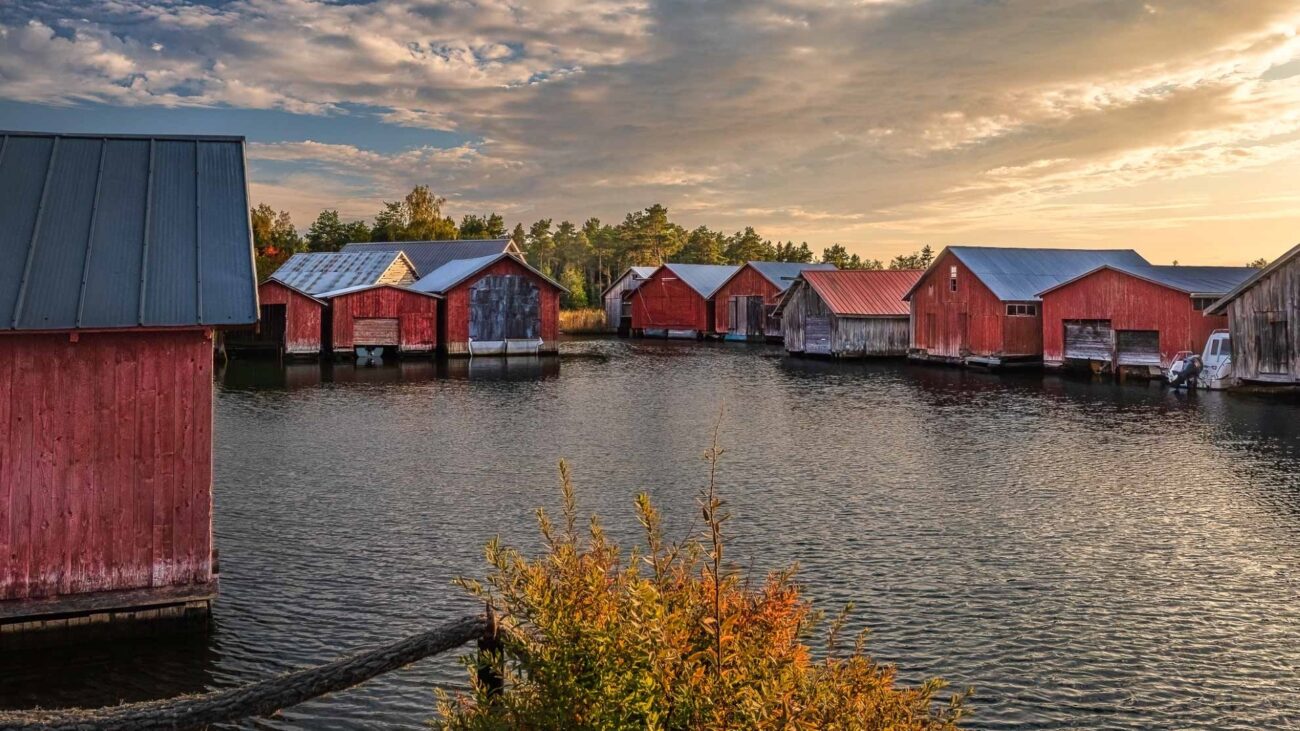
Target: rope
{"x": 259, "y": 699}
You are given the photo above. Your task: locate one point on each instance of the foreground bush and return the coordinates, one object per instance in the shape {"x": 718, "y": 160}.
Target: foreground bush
{"x": 669, "y": 638}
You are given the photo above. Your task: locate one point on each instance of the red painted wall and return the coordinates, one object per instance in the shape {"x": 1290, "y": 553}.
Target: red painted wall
{"x": 1129, "y": 303}
{"x": 970, "y": 321}
{"x": 417, "y": 316}
{"x": 105, "y": 462}
{"x": 666, "y": 302}
{"x": 302, "y": 317}
{"x": 456, "y": 338}
{"x": 746, "y": 283}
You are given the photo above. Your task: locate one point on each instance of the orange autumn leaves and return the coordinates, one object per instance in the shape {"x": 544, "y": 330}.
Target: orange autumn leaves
{"x": 667, "y": 637}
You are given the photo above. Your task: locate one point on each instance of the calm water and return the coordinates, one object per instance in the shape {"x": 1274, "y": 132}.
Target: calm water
{"x": 1087, "y": 555}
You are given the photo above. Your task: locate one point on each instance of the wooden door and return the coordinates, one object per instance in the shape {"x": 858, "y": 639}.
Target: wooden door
{"x": 817, "y": 335}
{"x": 1272, "y": 343}
{"x": 1089, "y": 340}
{"x": 376, "y": 331}
{"x": 505, "y": 307}
{"x": 271, "y": 327}
{"x": 1137, "y": 347}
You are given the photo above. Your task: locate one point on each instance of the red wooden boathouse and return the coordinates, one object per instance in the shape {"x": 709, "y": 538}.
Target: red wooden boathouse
{"x": 397, "y": 319}
{"x": 979, "y": 305}
{"x": 495, "y": 305}
{"x": 678, "y": 299}
{"x": 290, "y": 322}
{"x": 119, "y": 256}
{"x": 744, "y": 304}
{"x": 1120, "y": 315}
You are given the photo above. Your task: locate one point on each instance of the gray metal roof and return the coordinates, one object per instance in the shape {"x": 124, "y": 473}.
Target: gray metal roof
{"x": 454, "y": 272}
{"x": 319, "y": 272}
{"x": 121, "y": 231}
{"x": 1197, "y": 281}
{"x": 1018, "y": 275}
{"x": 426, "y": 256}
{"x": 363, "y": 287}
{"x": 783, "y": 273}
{"x": 703, "y": 278}
{"x": 1249, "y": 282}
{"x": 638, "y": 275}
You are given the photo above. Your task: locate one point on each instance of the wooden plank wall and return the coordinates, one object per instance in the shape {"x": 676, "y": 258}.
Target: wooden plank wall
{"x": 747, "y": 282}
{"x": 614, "y": 302}
{"x": 1279, "y": 292}
{"x": 457, "y": 306}
{"x": 1129, "y": 303}
{"x": 851, "y": 337}
{"x": 970, "y": 321}
{"x": 302, "y": 317}
{"x": 417, "y": 316}
{"x": 666, "y": 302}
{"x": 105, "y": 462}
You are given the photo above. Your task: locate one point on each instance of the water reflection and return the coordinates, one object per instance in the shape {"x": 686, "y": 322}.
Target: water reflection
{"x": 1087, "y": 554}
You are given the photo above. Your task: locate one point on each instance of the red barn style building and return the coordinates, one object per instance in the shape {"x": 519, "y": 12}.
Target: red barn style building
{"x": 290, "y": 323}
{"x": 398, "y": 320}
{"x": 495, "y": 305}
{"x": 119, "y": 256}
{"x": 1120, "y": 315}
{"x": 678, "y": 299}
{"x": 745, "y": 302}
{"x": 979, "y": 305}
{"x": 428, "y": 256}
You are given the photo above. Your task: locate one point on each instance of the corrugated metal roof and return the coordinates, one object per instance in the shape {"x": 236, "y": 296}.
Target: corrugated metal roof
{"x": 454, "y": 272}
{"x": 427, "y": 256}
{"x": 1018, "y": 275}
{"x": 783, "y": 273}
{"x": 363, "y": 287}
{"x": 122, "y": 231}
{"x": 864, "y": 292}
{"x": 1194, "y": 280}
{"x": 638, "y": 274}
{"x": 326, "y": 271}
{"x": 703, "y": 278}
{"x": 1259, "y": 274}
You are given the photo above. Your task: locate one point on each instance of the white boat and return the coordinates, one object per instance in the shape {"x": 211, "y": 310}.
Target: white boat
{"x": 1211, "y": 369}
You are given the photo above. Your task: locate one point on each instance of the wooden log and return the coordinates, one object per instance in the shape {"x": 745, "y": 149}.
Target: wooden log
{"x": 259, "y": 699}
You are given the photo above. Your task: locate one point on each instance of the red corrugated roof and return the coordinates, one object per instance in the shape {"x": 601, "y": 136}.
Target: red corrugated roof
{"x": 864, "y": 292}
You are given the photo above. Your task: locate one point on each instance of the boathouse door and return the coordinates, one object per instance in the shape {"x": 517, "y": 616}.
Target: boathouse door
{"x": 504, "y": 307}
{"x": 376, "y": 331}
{"x": 746, "y": 317}
{"x": 270, "y": 330}
{"x": 817, "y": 335}
{"x": 1137, "y": 348}
{"x": 1272, "y": 343}
{"x": 1088, "y": 340}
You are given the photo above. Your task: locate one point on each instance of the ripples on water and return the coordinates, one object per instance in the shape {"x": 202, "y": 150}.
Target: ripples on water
{"x": 1086, "y": 554}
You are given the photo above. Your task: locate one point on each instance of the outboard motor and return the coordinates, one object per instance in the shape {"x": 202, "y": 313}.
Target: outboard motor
{"x": 1191, "y": 369}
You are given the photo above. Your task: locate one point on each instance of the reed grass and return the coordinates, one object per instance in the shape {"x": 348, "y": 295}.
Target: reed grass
{"x": 582, "y": 322}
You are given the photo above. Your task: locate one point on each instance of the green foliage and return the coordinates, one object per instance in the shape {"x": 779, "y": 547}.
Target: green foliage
{"x": 573, "y": 281}
{"x": 670, "y": 637}
{"x": 703, "y": 247}
{"x": 800, "y": 254}
{"x": 328, "y": 233}
{"x": 274, "y": 239}
{"x": 839, "y": 256}
{"x": 1258, "y": 263}
{"x": 916, "y": 260}
{"x": 747, "y": 245}
{"x": 482, "y": 227}
{"x": 417, "y": 217}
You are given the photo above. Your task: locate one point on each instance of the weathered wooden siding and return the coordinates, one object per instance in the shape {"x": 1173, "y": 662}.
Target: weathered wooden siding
{"x": 302, "y": 317}
{"x": 747, "y": 282}
{"x": 1274, "y": 297}
{"x": 400, "y": 273}
{"x": 850, "y": 337}
{"x": 457, "y": 308}
{"x": 417, "y": 317}
{"x": 969, "y": 322}
{"x": 614, "y": 302}
{"x": 105, "y": 462}
{"x": 1128, "y": 303}
{"x": 666, "y": 302}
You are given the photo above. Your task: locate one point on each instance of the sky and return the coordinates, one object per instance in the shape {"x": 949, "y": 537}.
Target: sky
{"x": 1170, "y": 126}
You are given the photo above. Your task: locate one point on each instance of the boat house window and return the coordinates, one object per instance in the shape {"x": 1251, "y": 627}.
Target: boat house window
{"x": 1022, "y": 310}
{"x": 952, "y": 279}
{"x": 1201, "y": 303}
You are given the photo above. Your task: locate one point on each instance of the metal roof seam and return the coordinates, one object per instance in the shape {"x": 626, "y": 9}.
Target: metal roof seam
{"x": 144, "y": 246}
{"x": 198, "y": 235}
{"x": 90, "y": 233}
{"x": 21, "y": 300}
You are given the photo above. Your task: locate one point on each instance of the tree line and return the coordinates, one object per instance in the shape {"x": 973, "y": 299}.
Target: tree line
{"x": 584, "y": 257}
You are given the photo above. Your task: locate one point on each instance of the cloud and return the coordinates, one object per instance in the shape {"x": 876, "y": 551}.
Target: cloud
{"x": 882, "y": 123}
